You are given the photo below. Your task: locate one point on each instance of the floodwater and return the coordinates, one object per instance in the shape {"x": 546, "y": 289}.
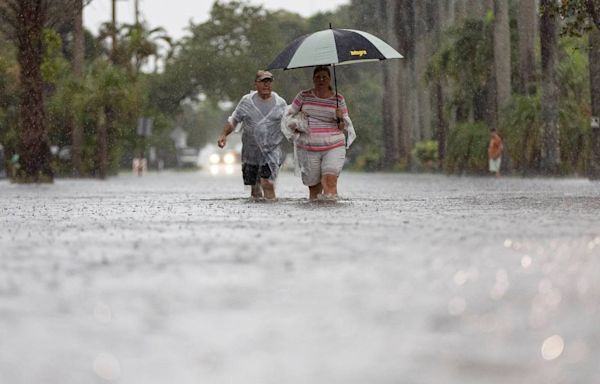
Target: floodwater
{"x": 178, "y": 277}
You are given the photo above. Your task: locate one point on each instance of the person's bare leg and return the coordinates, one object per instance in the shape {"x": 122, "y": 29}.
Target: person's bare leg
{"x": 330, "y": 185}
{"x": 256, "y": 191}
{"x": 313, "y": 191}
{"x": 268, "y": 188}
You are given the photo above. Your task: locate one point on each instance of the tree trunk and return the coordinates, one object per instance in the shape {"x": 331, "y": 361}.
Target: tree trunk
{"x": 33, "y": 145}
{"x": 473, "y": 8}
{"x": 405, "y": 32}
{"x": 102, "y": 136}
{"x": 442, "y": 124}
{"x": 460, "y": 12}
{"x": 78, "y": 65}
{"x": 446, "y": 18}
{"x": 527, "y": 28}
{"x": 502, "y": 54}
{"x": 550, "y": 151}
{"x": 594, "y": 60}
{"x": 391, "y": 100}
{"x": 424, "y": 20}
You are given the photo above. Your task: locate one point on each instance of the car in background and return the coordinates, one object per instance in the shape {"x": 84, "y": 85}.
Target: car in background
{"x": 220, "y": 161}
{"x": 188, "y": 157}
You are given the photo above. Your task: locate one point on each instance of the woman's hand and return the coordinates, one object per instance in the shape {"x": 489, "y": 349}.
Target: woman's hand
{"x": 340, "y": 119}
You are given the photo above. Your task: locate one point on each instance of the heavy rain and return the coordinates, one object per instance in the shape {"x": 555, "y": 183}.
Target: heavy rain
{"x": 176, "y": 207}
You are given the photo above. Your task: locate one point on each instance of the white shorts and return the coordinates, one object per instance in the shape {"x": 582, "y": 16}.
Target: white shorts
{"x": 319, "y": 163}
{"x": 495, "y": 165}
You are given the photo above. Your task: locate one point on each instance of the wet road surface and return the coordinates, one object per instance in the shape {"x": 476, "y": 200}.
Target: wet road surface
{"x": 178, "y": 277}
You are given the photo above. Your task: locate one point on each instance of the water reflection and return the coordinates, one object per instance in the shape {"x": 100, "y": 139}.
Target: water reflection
{"x": 107, "y": 367}
{"x": 553, "y": 347}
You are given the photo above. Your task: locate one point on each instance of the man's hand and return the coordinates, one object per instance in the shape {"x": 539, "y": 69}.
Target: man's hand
{"x": 222, "y": 141}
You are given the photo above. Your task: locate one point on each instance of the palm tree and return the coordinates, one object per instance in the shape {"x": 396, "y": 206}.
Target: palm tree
{"x": 527, "y": 28}
{"x": 78, "y": 67}
{"x": 502, "y": 53}
{"x": 391, "y": 101}
{"x": 594, "y": 60}
{"x": 23, "y": 21}
{"x": 137, "y": 44}
{"x": 550, "y": 154}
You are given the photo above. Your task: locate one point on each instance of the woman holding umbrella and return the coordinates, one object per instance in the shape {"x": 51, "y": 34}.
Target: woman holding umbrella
{"x": 324, "y": 147}
{"x": 322, "y": 151}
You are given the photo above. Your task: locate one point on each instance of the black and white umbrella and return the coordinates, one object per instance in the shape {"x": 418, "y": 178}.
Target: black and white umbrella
{"x": 333, "y": 47}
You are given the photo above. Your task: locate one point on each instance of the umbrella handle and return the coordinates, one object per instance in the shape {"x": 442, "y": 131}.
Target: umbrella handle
{"x": 337, "y": 103}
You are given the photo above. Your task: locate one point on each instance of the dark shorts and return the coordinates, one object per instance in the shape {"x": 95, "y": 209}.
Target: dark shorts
{"x": 253, "y": 173}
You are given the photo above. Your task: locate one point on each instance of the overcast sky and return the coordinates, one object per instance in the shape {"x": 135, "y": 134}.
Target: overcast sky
{"x": 174, "y": 15}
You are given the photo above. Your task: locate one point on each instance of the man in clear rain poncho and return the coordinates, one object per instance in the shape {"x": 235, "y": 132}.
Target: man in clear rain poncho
{"x": 259, "y": 114}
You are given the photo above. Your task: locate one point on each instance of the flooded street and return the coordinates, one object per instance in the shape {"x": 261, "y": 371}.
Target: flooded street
{"x": 178, "y": 277}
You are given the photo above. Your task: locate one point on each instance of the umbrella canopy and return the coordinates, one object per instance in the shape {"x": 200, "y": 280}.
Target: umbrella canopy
{"x": 333, "y": 46}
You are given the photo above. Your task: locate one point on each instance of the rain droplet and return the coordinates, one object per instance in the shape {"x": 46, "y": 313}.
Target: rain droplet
{"x": 583, "y": 286}
{"x": 578, "y": 351}
{"x": 457, "y": 306}
{"x": 499, "y": 290}
{"x": 501, "y": 276}
{"x": 545, "y": 286}
{"x": 553, "y": 347}
{"x": 526, "y": 261}
{"x": 473, "y": 274}
{"x": 553, "y": 298}
{"x": 107, "y": 367}
{"x": 460, "y": 277}
{"x": 102, "y": 313}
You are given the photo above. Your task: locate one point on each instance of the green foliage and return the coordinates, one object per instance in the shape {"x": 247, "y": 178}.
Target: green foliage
{"x": 9, "y": 91}
{"x": 520, "y": 128}
{"x": 466, "y": 62}
{"x": 54, "y": 64}
{"x": 105, "y": 90}
{"x": 425, "y": 155}
{"x": 136, "y": 44}
{"x": 574, "y": 115}
{"x": 109, "y": 90}
{"x": 370, "y": 160}
{"x": 467, "y": 149}
{"x": 578, "y": 16}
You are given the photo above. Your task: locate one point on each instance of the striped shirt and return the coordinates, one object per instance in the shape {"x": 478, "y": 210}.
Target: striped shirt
{"x": 322, "y": 122}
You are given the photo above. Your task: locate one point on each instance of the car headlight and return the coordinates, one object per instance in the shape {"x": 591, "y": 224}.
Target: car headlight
{"x": 229, "y": 158}
{"x": 214, "y": 158}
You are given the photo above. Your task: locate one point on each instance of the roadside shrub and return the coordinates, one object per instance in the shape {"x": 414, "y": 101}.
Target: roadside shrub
{"x": 370, "y": 160}
{"x": 520, "y": 129}
{"x": 425, "y": 155}
{"x": 467, "y": 149}
{"x": 575, "y": 139}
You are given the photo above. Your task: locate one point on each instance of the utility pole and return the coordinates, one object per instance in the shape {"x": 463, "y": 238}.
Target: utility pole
{"x": 113, "y": 31}
{"x": 136, "y": 4}
{"x": 78, "y": 69}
